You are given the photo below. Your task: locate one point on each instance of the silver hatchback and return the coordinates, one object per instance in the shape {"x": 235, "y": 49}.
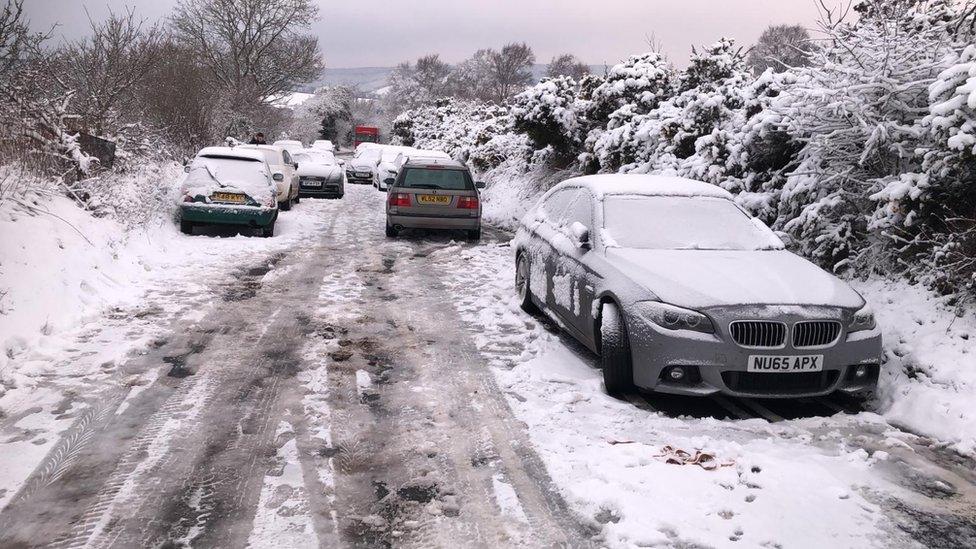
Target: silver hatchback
{"x": 433, "y": 194}
{"x": 680, "y": 291}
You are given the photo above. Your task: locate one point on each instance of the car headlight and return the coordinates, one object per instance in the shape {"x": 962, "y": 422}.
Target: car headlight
{"x": 674, "y": 318}
{"x": 862, "y": 320}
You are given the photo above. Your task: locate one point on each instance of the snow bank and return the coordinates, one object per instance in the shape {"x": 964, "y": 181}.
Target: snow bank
{"x": 62, "y": 266}
{"x": 929, "y": 380}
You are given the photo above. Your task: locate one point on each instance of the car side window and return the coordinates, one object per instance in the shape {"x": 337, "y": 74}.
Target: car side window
{"x": 580, "y": 209}
{"x": 554, "y": 207}
{"x": 286, "y": 157}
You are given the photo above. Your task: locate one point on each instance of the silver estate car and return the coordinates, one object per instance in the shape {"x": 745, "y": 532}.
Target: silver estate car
{"x": 433, "y": 194}
{"x": 680, "y": 291}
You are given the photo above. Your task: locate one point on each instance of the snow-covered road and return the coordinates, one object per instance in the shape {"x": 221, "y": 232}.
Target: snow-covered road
{"x": 344, "y": 389}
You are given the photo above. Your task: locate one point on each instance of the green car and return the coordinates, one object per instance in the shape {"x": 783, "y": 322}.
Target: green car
{"x": 228, "y": 186}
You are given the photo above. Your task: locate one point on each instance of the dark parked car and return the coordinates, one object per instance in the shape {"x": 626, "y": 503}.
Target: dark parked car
{"x": 319, "y": 174}
{"x": 681, "y": 291}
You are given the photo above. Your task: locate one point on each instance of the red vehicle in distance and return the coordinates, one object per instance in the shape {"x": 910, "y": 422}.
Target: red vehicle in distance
{"x": 365, "y": 134}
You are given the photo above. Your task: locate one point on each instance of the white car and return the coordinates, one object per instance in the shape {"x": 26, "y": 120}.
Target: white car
{"x": 290, "y": 145}
{"x": 284, "y": 171}
{"x": 361, "y": 167}
{"x": 391, "y": 158}
{"x": 390, "y": 170}
{"x": 323, "y": 145}
{"x": 320, "y": 174}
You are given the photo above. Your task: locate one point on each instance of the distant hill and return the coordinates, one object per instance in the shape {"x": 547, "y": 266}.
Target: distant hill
{"x": 371, "y": 79}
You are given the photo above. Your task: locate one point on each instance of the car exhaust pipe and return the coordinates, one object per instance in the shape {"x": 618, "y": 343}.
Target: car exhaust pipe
{"x": 398, "y": 227}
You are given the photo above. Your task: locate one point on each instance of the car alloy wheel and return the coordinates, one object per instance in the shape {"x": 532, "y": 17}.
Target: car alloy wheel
{"x": 522, "y": 284}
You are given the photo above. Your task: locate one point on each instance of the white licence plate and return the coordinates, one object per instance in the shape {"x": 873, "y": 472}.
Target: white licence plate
{"x": 771, "y": 364}
{"x": 312, "y": 183}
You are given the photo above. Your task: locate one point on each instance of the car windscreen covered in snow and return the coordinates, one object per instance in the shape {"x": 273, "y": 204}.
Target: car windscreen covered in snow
{"x": 315, "y": 157}
{"x": 683, "y": 223}
{"x": 436, "y": 178}
{"x": 213, "y": 173}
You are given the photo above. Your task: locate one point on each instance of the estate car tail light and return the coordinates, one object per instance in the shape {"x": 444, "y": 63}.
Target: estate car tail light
{"x": 468, "y": 202}
{"x": 400, "y": 199}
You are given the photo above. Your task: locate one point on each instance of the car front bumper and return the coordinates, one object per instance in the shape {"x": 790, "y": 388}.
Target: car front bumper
{"x": 714, "y": 363}
{"x": 326, "y": 188}
{"x": 221, "y": 214}
{"x": 365, "y": 178}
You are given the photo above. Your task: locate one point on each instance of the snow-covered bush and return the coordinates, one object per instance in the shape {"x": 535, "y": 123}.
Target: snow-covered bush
{"x": 549, "y": 115}
{"x": 641, "y": 82}
{"x": 857, "y": 109}
{"x": 686, "y": 134}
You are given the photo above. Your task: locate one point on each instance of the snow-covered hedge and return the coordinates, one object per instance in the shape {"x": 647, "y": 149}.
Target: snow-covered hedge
{"x": 866, "y": 157}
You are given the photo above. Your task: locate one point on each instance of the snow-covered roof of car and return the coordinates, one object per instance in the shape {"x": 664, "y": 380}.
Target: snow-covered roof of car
{"x": 429, "y": 162}
{"x": 647, "y": 185}
{"x": 232, "y": 152}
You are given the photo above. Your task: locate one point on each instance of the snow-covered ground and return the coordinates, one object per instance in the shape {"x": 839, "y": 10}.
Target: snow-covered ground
{"x": 81, "y": 294}
{"x": 86, "y": 295}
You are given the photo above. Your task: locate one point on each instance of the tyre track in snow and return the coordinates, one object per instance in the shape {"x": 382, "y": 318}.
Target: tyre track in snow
{"x": 132, "y": 485}
{"x": 423, "y": 439}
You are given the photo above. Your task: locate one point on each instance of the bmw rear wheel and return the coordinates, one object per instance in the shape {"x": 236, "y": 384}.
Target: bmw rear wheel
{"x": 618, "y": 368}
{"x": 390, "y": 232}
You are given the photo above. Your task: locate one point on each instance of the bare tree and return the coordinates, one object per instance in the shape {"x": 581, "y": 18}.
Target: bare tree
{"x": 109, "y": 66}
{"x": 15, "y": 34}
{"x": 255, "y": 49}
{"x": 510, "y": 70}
{"x": 779, "y": 48}
{"x": 567, "y": 65}
{"x": 178, "y": 97}
{"x": 471, "y": 79}
{"x": 431, "y": 75}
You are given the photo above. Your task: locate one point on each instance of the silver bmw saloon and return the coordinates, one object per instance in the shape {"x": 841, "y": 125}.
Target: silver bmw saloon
{"x": 680, "y": 291}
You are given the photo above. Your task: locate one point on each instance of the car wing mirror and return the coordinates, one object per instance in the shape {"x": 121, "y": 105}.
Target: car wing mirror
{"x": 342, "y": 162}
{"x": 278, "y": 177}
{"x": 295, "y": 165}
{"x": 480, "y": 185}
{"x": 581, "y": 235}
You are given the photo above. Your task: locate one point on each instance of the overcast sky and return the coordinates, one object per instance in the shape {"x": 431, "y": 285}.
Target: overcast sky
{"x": 373, "y": 33}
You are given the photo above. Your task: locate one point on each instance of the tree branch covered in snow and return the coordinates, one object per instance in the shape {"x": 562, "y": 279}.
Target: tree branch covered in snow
{"x": 862, "y": 150}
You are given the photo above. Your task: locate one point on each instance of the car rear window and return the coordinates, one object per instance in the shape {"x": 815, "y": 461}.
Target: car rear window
{"x": 428, "y": 178}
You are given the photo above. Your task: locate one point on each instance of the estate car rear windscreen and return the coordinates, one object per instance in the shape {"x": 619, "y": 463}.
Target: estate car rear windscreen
{"x": 445, "y": 180}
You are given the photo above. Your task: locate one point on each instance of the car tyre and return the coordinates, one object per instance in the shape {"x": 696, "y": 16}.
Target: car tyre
{"x": 186, "y": 227}
{"x": 474, "y": 234}
{"x": 268, "y": 230}
{"x": 522, "y": 284}
{"x": 298, "y": 198}
{"x": 618, "y": 368}
{"x": 391, "y": 232}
